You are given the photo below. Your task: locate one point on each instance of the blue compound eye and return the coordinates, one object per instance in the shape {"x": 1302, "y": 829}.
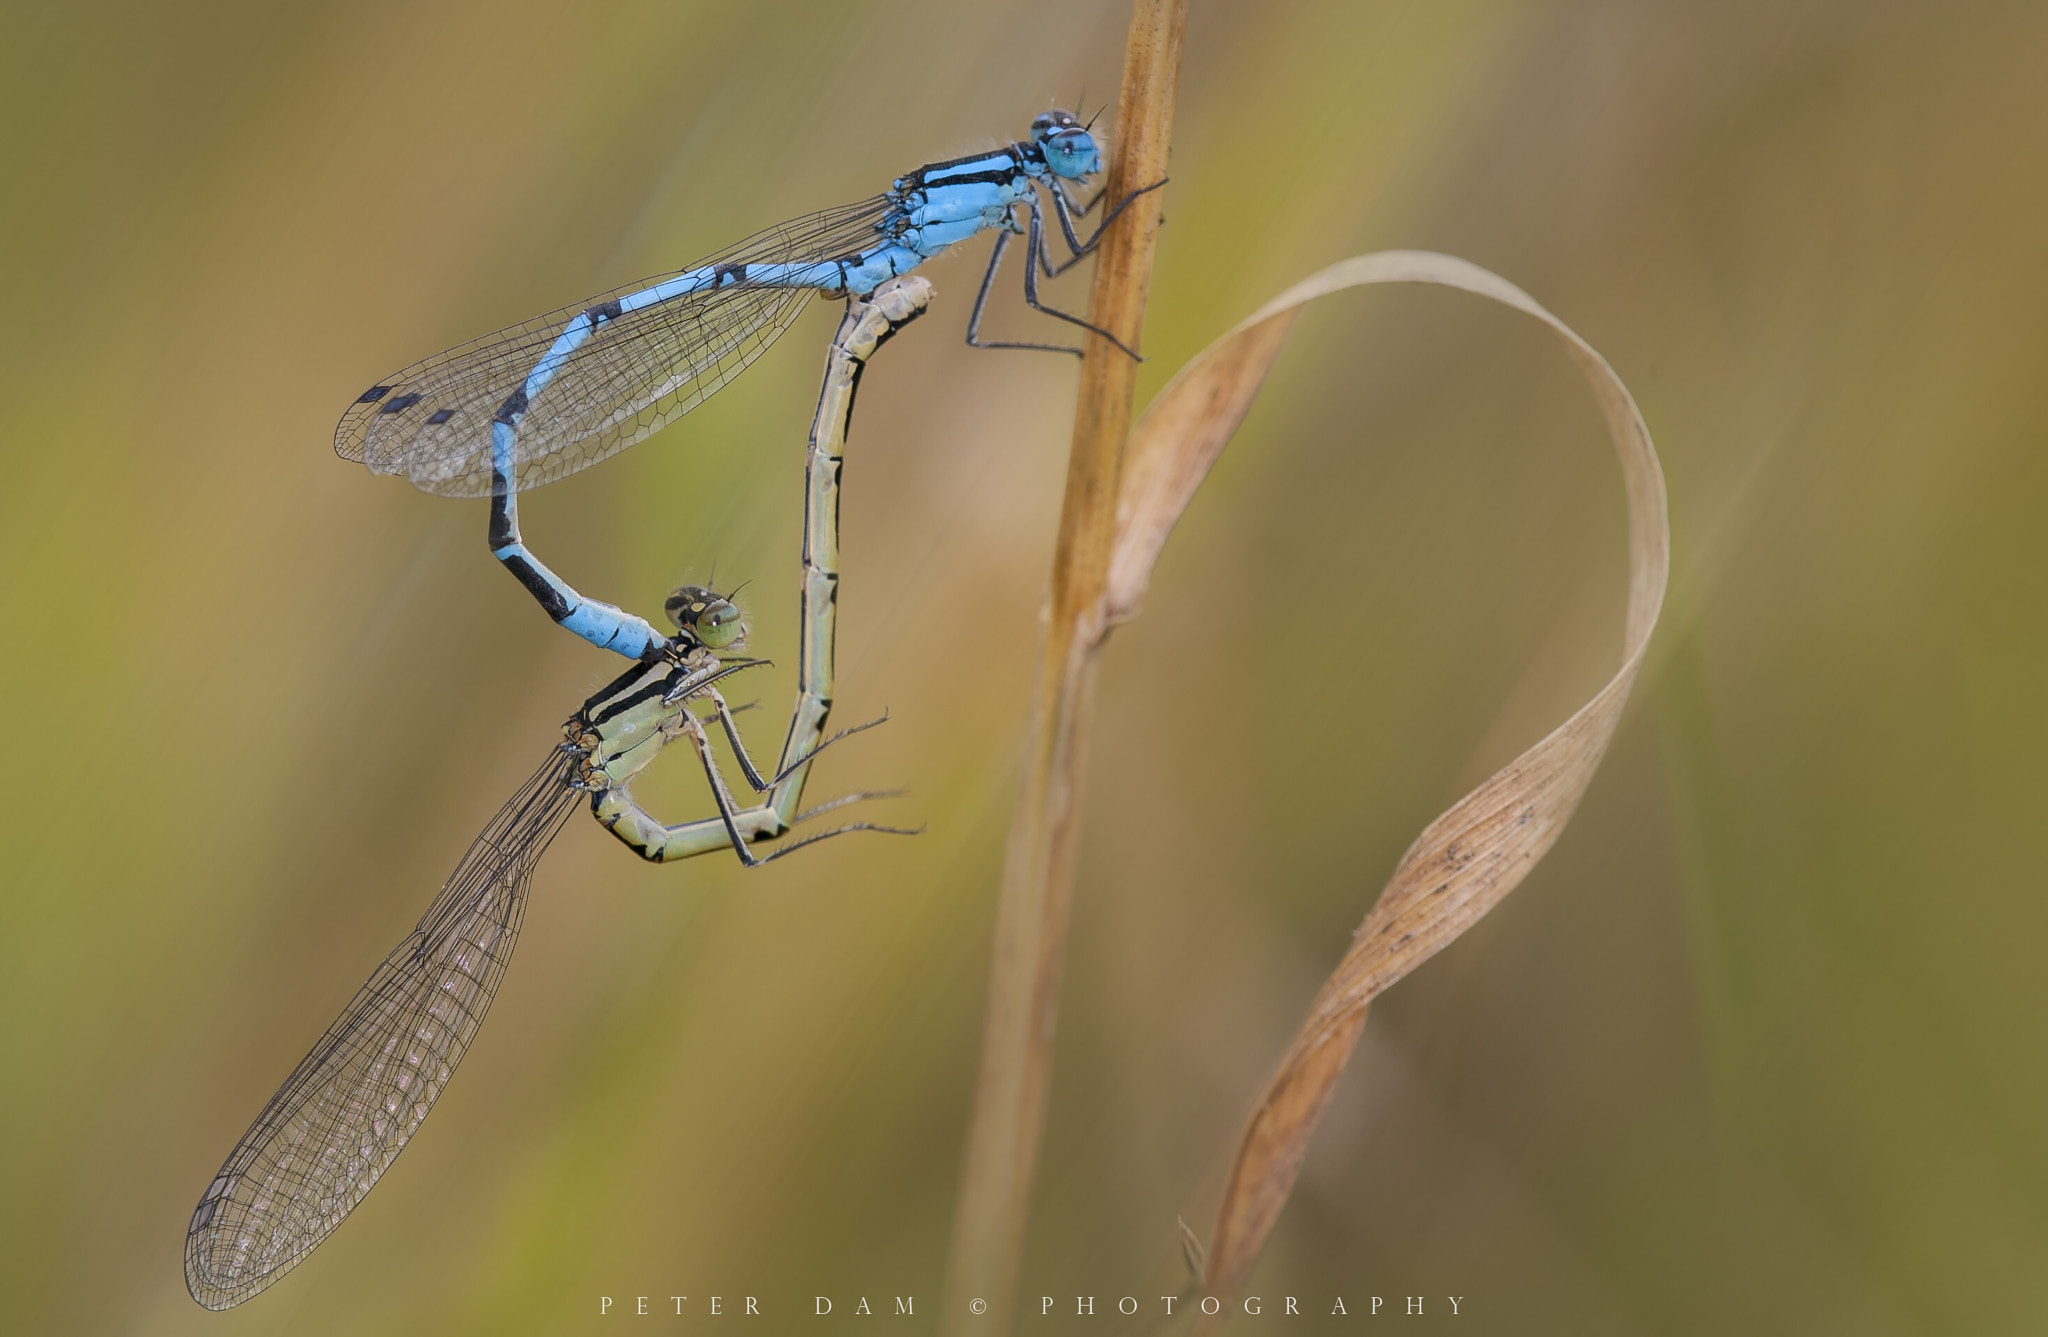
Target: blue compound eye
{"x": 1072, "y": 154}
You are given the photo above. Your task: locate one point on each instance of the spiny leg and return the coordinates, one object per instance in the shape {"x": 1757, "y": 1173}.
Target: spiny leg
{"x": 1061, "y": 206}
{"x": 988, "y": 282}
{"x": 728, "y": 813}
{"x": 734, "y": 827}
{"x": 646, "y": 836}
{"x": 1075, "y": 208}
{"x": 847, "y": 800}
{"x": 1036, "y": 241}
{"x": 1036, "y": 256}
{"x": 724, "y": 715}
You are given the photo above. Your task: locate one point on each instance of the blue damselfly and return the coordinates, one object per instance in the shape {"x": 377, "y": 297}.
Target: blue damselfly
{"x": 549, "y": 396}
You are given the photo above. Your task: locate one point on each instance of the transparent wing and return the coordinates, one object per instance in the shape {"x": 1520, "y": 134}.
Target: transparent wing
{"x": 639, "y": 371}
{"x": 350, "y": 1106}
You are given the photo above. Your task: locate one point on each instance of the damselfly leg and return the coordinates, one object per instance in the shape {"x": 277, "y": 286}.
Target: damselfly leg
{"x": 1080, "y": 249}
{"x": 988, "y": 283}
{"x": 1038, "y": 257}
{"x": 724, "y": 715}
{"x": 729, "y": 815}
{"x": 739, "y": 828}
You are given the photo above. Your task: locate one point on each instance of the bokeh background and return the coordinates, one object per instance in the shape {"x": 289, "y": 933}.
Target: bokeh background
{"x": 1757, "y": 1048}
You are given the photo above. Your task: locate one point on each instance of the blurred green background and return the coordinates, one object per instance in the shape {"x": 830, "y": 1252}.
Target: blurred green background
{"x": 1756, "y": 1049}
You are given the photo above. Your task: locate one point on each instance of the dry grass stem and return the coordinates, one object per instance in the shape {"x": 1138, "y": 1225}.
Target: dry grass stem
{"x": 1031, "y": 917}
{"x": 1466, "y": 860}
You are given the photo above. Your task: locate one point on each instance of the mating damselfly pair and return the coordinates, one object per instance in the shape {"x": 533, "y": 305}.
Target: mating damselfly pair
{"x": 532, "y": 404}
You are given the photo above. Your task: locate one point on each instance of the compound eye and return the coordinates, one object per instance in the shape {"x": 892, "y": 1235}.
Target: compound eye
{"x": 699, "y": 613}
{"x": 1072, "y": 153}
{"x": 719, "y": 625}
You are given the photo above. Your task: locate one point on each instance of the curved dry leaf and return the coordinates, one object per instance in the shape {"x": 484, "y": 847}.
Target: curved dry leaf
{"x": 1466, "y": 860}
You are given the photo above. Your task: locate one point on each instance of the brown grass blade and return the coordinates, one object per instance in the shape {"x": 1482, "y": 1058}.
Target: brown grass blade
{"x": 1001, "y": 1160}
{"x": 1466, "y": 860}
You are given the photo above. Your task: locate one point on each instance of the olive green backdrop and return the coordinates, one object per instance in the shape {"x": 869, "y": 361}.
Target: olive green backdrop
{"x": 1758, "y": 1048}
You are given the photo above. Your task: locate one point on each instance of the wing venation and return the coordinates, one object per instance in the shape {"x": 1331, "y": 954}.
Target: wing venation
{"x": 638, "y": 371}
{"x": 353, "y": 1103}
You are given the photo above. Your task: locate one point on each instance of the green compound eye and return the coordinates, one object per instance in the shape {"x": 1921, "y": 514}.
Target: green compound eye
{"x": 706, "y": 617}
{"x": 718, "y": 626}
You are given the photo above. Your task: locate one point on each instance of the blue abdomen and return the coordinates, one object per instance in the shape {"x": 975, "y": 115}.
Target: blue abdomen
{"x": 880, "y": 265}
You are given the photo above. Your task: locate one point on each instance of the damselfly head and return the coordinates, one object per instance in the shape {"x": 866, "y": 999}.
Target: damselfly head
{"x": 1069, "y": 150}
{"x": 707, "y": 618}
